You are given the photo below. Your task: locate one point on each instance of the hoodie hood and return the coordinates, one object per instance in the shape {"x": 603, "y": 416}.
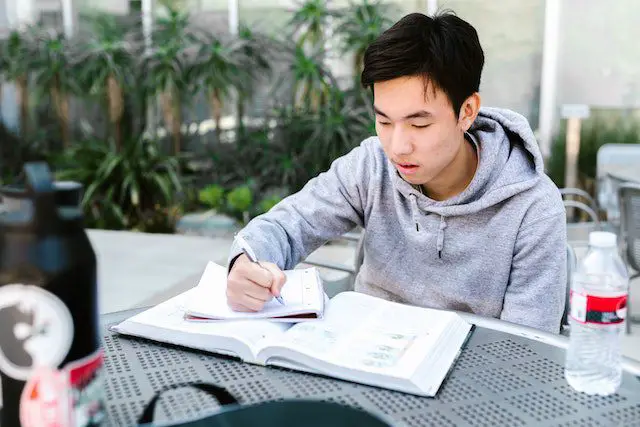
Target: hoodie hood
{"x": 509, "y": 162}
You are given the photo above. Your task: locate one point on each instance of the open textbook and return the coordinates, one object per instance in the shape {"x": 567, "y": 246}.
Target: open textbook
{"x": 360, "y": 338}
{"x": 303, "y": 295}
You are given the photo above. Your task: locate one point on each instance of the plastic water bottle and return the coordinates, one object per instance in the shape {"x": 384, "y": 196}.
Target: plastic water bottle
{"x": 598, "y": 307}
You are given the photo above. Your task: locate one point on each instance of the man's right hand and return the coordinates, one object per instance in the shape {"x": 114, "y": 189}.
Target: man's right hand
{"x": 251, "y": 285}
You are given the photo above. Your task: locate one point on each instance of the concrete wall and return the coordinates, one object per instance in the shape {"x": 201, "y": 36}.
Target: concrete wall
{"x": 599, "y": 53}
{"x": 511, "y": 34}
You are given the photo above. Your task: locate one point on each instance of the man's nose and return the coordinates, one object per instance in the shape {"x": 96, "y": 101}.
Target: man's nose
{"x": 401, "y": 144}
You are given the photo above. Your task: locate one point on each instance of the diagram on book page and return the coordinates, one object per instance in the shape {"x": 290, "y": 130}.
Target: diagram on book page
{"x": 376, "y": 349}
{"x": 388, "y": 335}
{"x": 370, "y": 346}
{"x": 366, "y": 333}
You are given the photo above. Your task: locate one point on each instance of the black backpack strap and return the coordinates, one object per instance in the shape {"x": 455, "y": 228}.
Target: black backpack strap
{"x": 219, "y": 393}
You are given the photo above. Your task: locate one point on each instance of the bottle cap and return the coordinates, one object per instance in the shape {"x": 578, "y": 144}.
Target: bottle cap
{"x": 602, "y": 239}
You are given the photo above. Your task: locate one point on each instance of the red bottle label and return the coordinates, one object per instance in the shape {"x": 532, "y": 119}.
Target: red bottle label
{"x": 86, "y": 388}
{"x": 592, "y": 309}
{"x": 45, "y": 399}
{"x": 68, "y": 397}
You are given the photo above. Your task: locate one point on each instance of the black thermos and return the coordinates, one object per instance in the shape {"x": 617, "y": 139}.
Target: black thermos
{"x": 50, "y": 353}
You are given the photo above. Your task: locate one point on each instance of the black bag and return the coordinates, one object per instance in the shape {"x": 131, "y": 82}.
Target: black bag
{"x": 284, "y": 413}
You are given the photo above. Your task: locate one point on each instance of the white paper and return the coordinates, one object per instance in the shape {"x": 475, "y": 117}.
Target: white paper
{"x": 301, "y": 293}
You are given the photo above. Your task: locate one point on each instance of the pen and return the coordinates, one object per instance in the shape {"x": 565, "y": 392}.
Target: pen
{"x": 252, "y": 257}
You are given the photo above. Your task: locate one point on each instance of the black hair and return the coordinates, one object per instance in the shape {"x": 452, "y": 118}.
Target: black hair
{"x": 443, "y": 49}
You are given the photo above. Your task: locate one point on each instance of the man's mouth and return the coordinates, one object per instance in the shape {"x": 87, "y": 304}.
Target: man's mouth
{"x": 407, "y": 168}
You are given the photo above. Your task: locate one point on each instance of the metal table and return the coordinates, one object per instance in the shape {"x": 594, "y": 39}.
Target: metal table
{"x": 506, "y": 376}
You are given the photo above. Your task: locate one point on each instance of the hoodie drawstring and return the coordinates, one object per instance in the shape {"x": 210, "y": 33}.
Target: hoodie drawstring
{"x": 443, "y": 224}
{"x": 440, "y": 244}
{"x": 414, "y": 209}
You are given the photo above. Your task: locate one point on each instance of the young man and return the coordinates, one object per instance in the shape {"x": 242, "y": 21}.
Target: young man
{"x": 457, "y": 209}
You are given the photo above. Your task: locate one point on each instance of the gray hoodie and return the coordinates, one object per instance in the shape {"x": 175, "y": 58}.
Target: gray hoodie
{"x": 497, "y": 249}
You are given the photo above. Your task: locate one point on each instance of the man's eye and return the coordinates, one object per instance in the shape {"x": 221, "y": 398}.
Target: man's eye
{"x": 420, "y": 126}
{"x": 383, "y": 123}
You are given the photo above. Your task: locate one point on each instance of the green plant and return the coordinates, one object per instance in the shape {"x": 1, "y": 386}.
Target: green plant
{"x": 268, "y": 203}
{"x": 305, "y": 143}
{"x": 16, "y": 58}
{"x": 105, "y": 64}
{"x": 309, "y": 80}
{"x": 339, "y": 126}
{"x": 121, "y": 188}
{"x": 54, "y": 76}
{"x": 258, "y": 52}
{"x": 218, "y": 68}
{"x": 294, "y": 145}
{"x": 239, "y": 202}
{"x": 309, "y": 23}
{"x": 162, "y": 219}
{"x": 164, "y": 70}
{"x": 135, "y": 186}
{"x": 360, "y": 25}
{"x": 595, "y": 132}
{"x": 212, "y": 196}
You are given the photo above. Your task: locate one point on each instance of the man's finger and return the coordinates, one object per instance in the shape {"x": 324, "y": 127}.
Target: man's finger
{"x": 259, "y": 275}
{"x": 239, "y": 307}
{"x": 258, "y": 292}
{"x": 252, "y": 303}
{"x": 278, "y": 278}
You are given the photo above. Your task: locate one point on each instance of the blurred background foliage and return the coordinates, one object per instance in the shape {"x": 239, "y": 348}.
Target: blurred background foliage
{"x": 204, "y": 120}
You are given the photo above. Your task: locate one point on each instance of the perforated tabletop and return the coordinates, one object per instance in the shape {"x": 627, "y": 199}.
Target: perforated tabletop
{"x": 499, "y": 380}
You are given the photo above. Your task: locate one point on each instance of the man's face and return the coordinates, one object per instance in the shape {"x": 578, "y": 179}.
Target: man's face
{"x": 418, "y": 129}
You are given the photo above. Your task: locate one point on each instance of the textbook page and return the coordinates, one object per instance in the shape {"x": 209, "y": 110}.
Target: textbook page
{"x": 165, "y": 323}
{"x": 366, "y": 334}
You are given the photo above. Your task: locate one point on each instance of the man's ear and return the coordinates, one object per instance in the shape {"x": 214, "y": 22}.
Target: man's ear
{"x": 469, "y": 111}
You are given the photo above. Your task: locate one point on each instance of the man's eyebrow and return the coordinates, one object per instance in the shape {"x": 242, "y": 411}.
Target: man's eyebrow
{"x": 378, "y": 112}
{"x": 416, "y": 115}
{"x": 419, "y": 114}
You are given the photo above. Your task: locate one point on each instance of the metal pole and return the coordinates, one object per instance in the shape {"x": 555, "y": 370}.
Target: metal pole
{"x": 147, "y": 31}
{"x": 68, "y": 17}
{"x": 549, "y": 76}
{"x": 233, "y": 17}
{"x": 432, "y": 7}
{"x": 147, "y": 23}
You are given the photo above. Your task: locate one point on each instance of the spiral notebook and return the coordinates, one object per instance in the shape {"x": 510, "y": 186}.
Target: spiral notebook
{"x": 303, "y": 295}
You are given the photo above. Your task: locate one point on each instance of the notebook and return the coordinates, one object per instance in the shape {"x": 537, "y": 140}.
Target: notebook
{"x": 303, "y": 295}
{"x": 360, "y": 338}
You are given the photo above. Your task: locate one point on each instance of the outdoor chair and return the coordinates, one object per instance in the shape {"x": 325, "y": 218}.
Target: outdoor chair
{"x": 614, "y": 162}
{"x": 578, "y": 232}
{"x": 333, "y": 287}
{"x": 571, "y": 268}
{"x": 629, "y": 238}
